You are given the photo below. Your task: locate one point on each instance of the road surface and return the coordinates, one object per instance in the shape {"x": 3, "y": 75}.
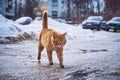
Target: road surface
{"x": 95, "y": 59}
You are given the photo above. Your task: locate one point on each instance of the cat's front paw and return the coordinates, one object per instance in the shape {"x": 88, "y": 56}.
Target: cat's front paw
{"x": 62, "y": 66}
{"x": 38, "y": 58}
{"x": 51, "y": 64}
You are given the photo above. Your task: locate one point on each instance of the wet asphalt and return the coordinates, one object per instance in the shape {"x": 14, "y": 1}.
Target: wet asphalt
{"x": 96, "y": 59}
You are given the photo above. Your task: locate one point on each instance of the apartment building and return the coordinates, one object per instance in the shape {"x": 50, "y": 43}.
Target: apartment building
{"x": 1, "y": 6}
{"x": 8, "y": 8}
{"x": 57, "y": 8}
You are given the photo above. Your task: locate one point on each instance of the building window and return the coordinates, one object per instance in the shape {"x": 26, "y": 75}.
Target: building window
{"x": 54, "y": 6}
{"x": 1, "y": 8}
{"x": 20, "y": 4}
{"x": 1, "y": 1}
{"x": 54, "y": 1}
{"x": 10, "y": 4}
{"x": 54, "y": 14}
{"x": 62, "y": 2}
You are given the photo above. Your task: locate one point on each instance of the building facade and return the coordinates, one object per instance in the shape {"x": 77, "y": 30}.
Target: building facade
{"x": 57, "y": 8}
{"x": 8, "y": 8}
{"x": 2, "y": 7}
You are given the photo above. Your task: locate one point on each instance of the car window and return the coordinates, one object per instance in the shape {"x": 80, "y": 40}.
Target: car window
{"x": 94, "y": 18}
{"x": 116, "y": 19}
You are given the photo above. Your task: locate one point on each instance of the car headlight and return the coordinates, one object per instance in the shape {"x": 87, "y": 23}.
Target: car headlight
{"x": 83, "y": 23}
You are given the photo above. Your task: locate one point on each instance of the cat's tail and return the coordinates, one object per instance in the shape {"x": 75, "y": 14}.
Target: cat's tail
{"x": 45, "y": 20}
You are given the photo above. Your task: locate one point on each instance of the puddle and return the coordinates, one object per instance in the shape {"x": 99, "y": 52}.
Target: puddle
{"x": 102, "y": 50}
{"x": 82, "y": 75}
{"x": 85, "y": 51}
{"x": 117, "y": 40}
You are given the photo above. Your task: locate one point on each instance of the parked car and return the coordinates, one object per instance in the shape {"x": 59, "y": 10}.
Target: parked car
{"x": 24, "y": 20}
{"x": 93, "y": 22}
{"x": 38, "y": 18}
{"x": 61, "y": 20}
{"x": 113, "y": 24}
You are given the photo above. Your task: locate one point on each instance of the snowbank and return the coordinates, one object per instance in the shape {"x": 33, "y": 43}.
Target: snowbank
{"x": 9, "y": 28}
{"x": 11, "y": 32}
{"x": 73, "y": 32}
{"x": 24, "y": 20}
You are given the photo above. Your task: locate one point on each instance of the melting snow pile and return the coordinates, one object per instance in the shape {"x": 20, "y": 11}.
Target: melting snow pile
{"x": 73, "y": 32}
{"x": 7, "y": 27}
{"x": 11, "y": 32}
{"x": 14, "y": 32}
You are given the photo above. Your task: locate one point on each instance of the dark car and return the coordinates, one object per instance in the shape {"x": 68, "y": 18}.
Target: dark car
{"x": 93, "y": 22}
{"x": 113, "y": 24}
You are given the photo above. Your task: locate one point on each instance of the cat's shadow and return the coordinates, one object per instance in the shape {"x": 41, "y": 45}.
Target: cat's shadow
{"x": 38, "y": 62}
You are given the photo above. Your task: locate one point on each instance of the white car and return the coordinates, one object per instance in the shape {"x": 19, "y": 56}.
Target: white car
{"x": 24, "y": 20}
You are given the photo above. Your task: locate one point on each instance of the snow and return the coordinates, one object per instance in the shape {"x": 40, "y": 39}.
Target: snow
{"x": 8, "y": 27}
{"x": 73, "y": 32}
{"x": 2, "y": 19}
{"x": 23, "y": 19}
{"x": 11, "y": 28}
{"x": 19, "y": 61}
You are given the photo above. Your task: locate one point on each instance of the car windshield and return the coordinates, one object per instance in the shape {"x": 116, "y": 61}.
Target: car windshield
{"x": 116, "y": 19}
{"x": 94, "y": 18}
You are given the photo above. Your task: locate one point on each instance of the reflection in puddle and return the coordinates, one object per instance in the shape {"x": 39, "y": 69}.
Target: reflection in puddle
{"x": 85, "y": 51}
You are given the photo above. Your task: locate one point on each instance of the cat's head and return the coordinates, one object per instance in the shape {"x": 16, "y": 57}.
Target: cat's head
{"x": 59, "y": 40}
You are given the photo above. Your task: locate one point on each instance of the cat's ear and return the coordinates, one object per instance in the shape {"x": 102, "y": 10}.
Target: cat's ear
{"x": 54, "y": 35}
{"x": 65, "y": 34}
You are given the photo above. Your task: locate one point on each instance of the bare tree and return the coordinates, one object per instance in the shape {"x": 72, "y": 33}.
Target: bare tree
{"x": 112, "y": 8}
{"x": 29, "y": 7}
{"x": 78, "y": 9}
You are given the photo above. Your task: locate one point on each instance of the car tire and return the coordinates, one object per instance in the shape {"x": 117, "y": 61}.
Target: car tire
{"x": 107, "y": 29}
{"x": 91, "y": 29}
{"x": 115, "y": 30}
{"x": 98, "y": 29}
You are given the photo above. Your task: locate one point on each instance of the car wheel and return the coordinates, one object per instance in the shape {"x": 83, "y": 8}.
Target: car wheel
{"x": 98, "y": 29}
{"x": 92, "y": 29}
{"x": 107, "y": 29}
{"x": 83, "y": 28}
{"x": 115, "y": 30}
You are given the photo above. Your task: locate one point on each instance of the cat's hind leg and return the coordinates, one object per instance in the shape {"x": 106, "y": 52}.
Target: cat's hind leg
{"x": 40, "y": 48}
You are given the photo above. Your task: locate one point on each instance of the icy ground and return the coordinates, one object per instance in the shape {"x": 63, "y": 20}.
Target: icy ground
{"x": 88, "y": 55}
{"x": 95, "y": 59}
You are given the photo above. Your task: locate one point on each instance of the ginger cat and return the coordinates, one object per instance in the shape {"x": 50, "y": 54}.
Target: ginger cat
{"x": 52, "y": 41}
